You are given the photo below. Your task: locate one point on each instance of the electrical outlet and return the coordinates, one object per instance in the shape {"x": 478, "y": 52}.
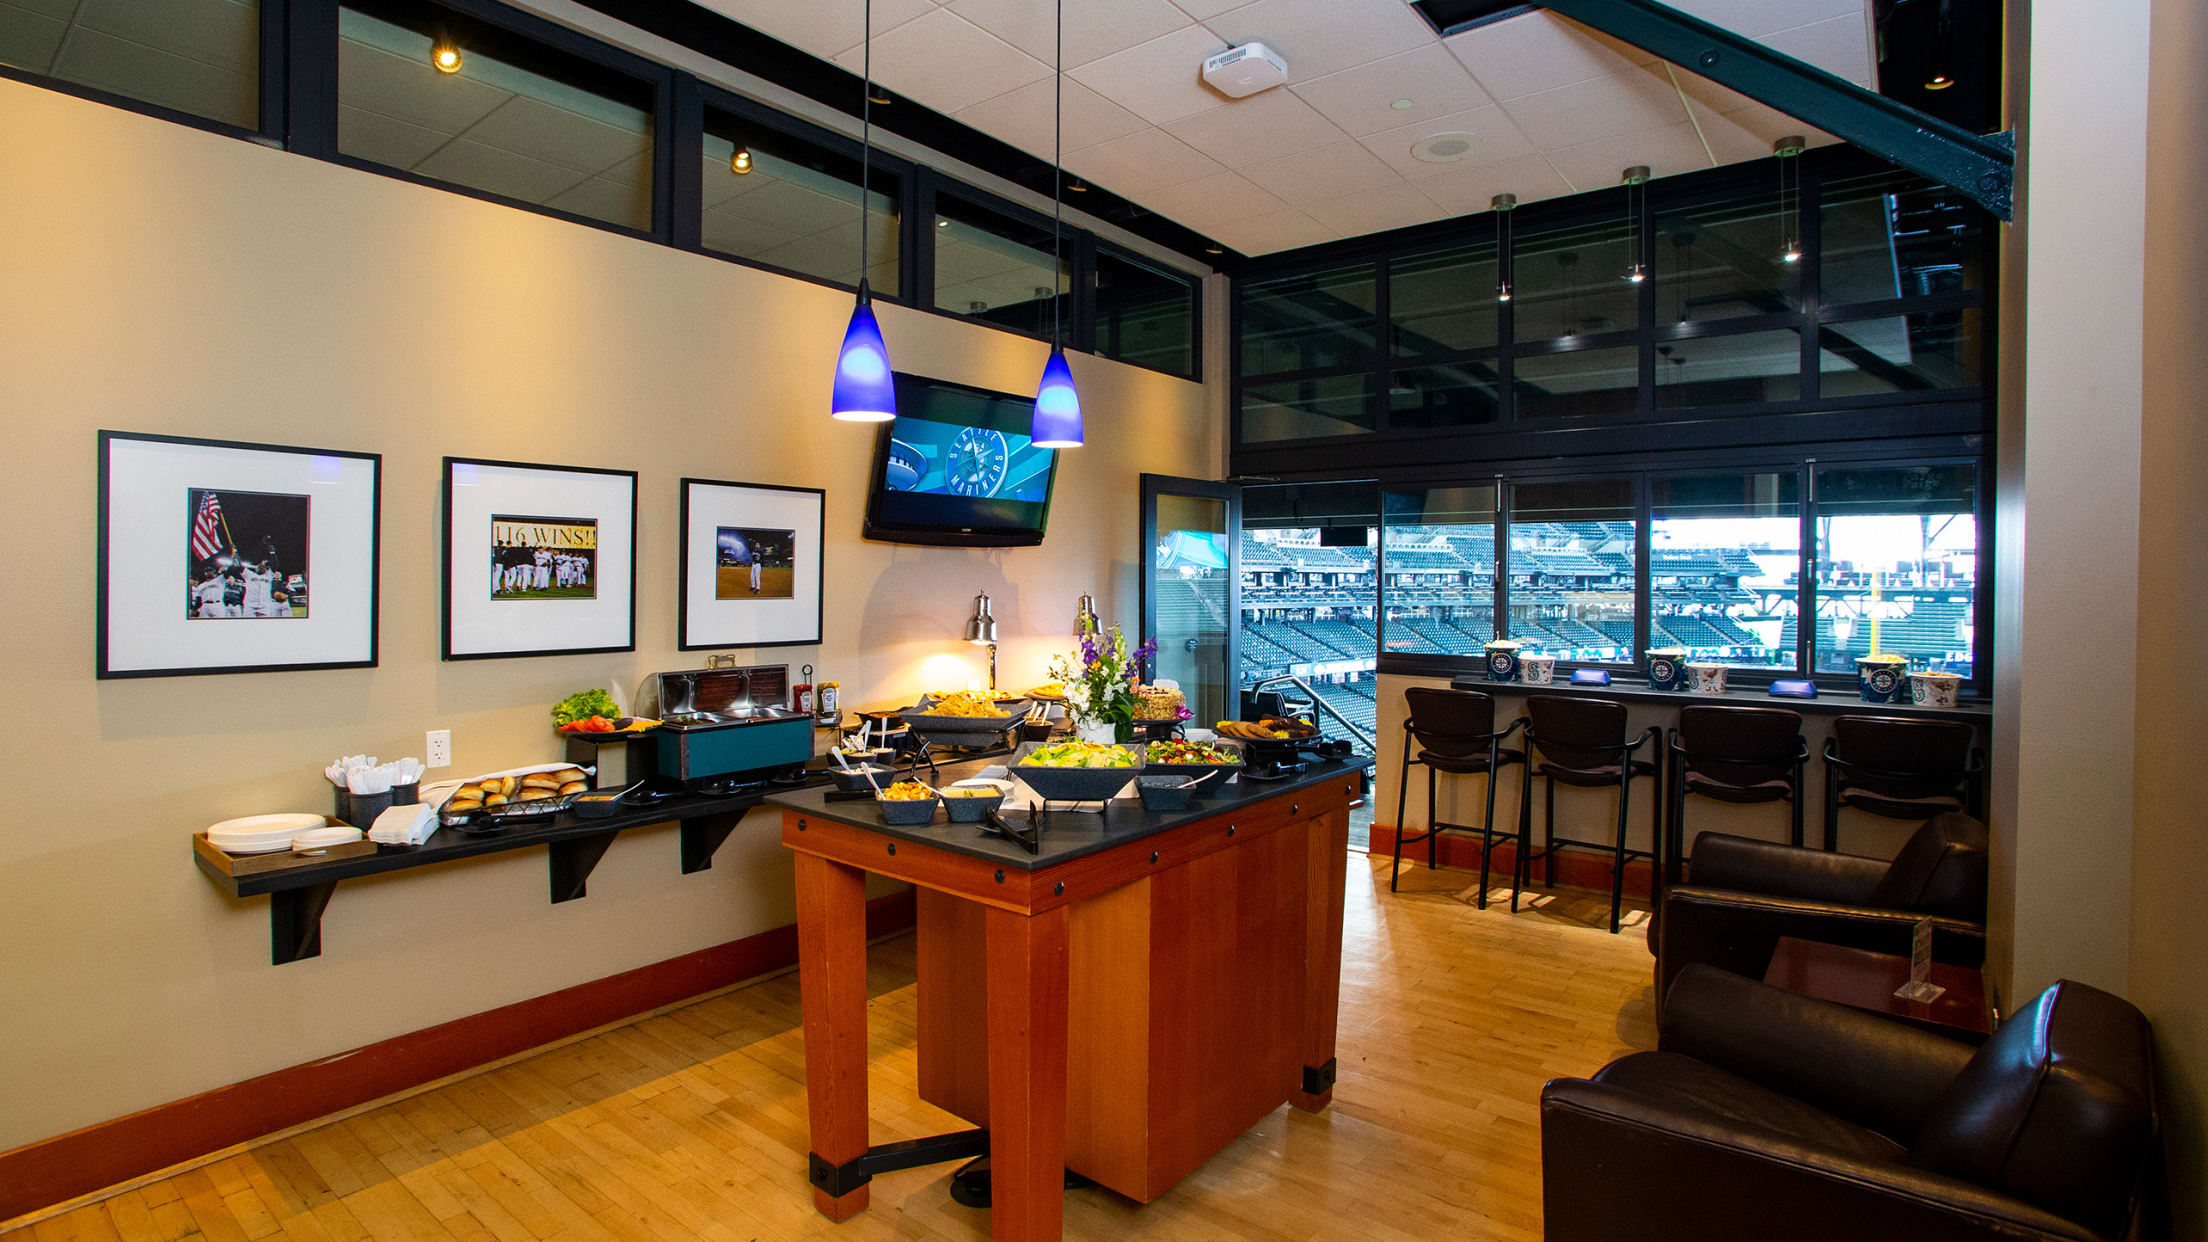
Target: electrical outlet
{"x": 437, "y": 749}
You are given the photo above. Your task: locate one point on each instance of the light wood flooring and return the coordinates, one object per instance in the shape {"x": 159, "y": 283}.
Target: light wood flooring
{"x": 692, "y": 1123}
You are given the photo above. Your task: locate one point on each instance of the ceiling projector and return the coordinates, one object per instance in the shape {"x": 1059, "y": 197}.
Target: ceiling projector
{"x": 1242, "y": 71}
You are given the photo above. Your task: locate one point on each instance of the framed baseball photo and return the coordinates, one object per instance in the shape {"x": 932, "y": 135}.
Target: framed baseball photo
{"x": 750, "y": 565}
{"x": 223, "y": 557}
{"x": 539, "y": 560}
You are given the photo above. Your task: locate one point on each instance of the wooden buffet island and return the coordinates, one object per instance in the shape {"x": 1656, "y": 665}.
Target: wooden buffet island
{"x": 1122, "y": 1003}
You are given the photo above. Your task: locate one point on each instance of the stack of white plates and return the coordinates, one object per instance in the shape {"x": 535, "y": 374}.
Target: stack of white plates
{"x": 260, "y": 834}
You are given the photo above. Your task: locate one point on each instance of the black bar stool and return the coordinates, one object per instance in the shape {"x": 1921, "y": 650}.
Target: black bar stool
{"x": 1899, "y": 768}
{"x": 1455, "y": 732}
{"x": 1582, "y": 743}
{"x": 1742, "y": 755}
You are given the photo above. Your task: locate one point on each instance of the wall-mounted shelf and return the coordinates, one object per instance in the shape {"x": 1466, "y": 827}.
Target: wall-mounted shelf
{"x": 300, "y": 887}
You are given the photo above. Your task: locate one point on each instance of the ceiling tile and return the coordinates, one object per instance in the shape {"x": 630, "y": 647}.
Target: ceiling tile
{"x": 1621, "y": 103}
{"x": 1329, "y": 172}
{"x": 30, "y": 39}
{"x": 1668, "y": 151}
{"x": 620, "y": 202}
{"x": 222, "y": 33}
{"x": 731, "y": 233}
{"x": 1023, "y": 118}
{"x": 1262, "y": 127}
{"x": 1094, "y": 28}
{"x": 823, "y": 27}
{"x": 1839, "y": 45}
{"x": 1160, "y": 80}
{"x": 411, "y": 91}
{"x": 1201, "y": 9}
{"x": 1319, "y": 37}
{"x": 1537, "y": 52}
{"x": 947, "y": 62}
{"x": 1707, "y": 97}
{"x": 1277, "y": 230}
{"x": 1143, "y": 161}
{"x": 147, "y": 73}
{"x": 500, "y": 172}
{"x": 1371, "y": 211}
{"x": 1494, "y": 140}
{"x": 1474, "y": 189}
{"x": 1361, "y": 100}
{"x": 1757, "y": 18}
{"x": 372, "y": 136}
{"x": 1209, "y": 203}
{"x": 557, "y": 136}
{"x": 1749, "y": 132}
{"x": 62, "y": 9}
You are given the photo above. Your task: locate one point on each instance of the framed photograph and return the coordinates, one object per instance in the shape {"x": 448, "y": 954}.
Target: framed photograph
{"x": 223, "y": 557}
{"x": 751, "y": 561}
{"x": 539, "y": 560}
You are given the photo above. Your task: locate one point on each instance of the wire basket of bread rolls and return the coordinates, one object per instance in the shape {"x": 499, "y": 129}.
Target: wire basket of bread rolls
{"x": 524, "y": 793}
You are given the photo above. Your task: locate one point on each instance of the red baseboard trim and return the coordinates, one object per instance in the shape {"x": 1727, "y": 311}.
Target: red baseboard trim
{"x": 61, "y": 1168}
{"x": 1461, "y": 851}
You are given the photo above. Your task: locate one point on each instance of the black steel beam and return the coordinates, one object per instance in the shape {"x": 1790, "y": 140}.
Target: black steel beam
{"x": 1982, "y": 166}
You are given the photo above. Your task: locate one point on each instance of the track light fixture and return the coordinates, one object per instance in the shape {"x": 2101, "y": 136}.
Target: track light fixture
{"x": 1502, "y": 205}
{"x": 740, "y": 163}
{"x": 1942, "y": 74}
{"x": 1789, "y": 150}
{"x": 445, "y": 55}
{"x": 1635, "y": 181}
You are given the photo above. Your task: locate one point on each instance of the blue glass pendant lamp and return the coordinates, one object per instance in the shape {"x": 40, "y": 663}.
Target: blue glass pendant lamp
{"x": 1057, "y": 403}
{"x": 864, "y": 392}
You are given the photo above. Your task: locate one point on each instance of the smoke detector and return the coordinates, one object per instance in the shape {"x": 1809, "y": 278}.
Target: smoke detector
{"x": 1240, "y": 72}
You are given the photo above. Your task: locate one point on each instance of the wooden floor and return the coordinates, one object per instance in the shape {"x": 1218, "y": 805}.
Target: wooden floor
{"x": 692, "y": 1123}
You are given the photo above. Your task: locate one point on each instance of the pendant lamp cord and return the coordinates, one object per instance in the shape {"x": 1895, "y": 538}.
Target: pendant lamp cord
{"x": 1057, "y": 173}
{"x": 866, "y": 136}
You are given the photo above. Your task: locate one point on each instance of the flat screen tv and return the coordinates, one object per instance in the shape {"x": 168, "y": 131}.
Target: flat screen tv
{"x": 956, "y": 468}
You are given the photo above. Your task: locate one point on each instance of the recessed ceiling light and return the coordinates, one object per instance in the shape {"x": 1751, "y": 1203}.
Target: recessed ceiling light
{"x": 1401, "y": 105}
{"x": 1445, "y": 147}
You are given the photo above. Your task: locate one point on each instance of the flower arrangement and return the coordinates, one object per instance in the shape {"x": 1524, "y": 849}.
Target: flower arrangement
{"x": 1100, "y": 677}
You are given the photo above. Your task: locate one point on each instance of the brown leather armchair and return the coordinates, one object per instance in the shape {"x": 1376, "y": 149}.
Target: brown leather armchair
{"x": 1746, "y": 894}
{"x": 1769, "y": 1115}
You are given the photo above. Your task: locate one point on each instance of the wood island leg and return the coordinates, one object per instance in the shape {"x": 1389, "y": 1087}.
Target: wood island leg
{"x": 831, "y": 955}
{"x": 1322, "y": 991}
{"x": 1027, "y": 1074}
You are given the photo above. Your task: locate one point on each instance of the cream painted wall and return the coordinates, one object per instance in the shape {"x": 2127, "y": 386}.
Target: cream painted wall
{"x": 2169, "y": 875}
{"x": 164, "y": 280}
{"x": 2073, "y": 553}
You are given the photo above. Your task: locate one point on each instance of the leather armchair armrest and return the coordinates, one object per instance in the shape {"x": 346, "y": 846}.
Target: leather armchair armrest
{"x": 1749, "y": 866}
{"x": 1870, "y": 1070}
{"x": 1738, "y": 931}
{"x": 1616, "y": 1164}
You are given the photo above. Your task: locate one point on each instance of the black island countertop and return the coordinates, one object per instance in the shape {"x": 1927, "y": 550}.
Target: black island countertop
{"x": 1637, "y": 690}
{"x": 1066, "y": 834}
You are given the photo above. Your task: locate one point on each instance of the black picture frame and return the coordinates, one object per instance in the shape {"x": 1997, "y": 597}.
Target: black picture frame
{"x": 105, "y": 667}
{"x": 684, "y": 549}
{"x": 446, "y": 567}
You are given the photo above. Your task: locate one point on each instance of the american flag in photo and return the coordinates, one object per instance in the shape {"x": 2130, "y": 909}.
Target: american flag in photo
{"x": 207, "y": 528}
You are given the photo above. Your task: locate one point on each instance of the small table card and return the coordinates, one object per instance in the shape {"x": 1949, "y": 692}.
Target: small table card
{"x": 1920, "y": 987}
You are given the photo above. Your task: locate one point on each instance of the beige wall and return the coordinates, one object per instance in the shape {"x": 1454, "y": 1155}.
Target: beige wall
{"x": 160, "y": 279}
{"x": 2169, "y": 938}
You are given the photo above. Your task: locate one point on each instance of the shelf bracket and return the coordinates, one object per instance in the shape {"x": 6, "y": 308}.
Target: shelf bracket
{"x": 573, "y": 860}
{"x": 1979, "y": 166}
{"x": 703, "y": 836}
{"x": 295, "y": 922}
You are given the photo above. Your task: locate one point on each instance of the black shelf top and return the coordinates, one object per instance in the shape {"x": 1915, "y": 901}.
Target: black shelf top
{"x": 449, "y": 844}
{"x": 1827, "y": 703}
{"x": 1066, "y": 834}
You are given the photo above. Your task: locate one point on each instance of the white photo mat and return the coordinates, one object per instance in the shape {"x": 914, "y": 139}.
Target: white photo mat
{"x": 709, "y": 505}
{"x": 146, "y": 520}
{"x": 478, "y": 626}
